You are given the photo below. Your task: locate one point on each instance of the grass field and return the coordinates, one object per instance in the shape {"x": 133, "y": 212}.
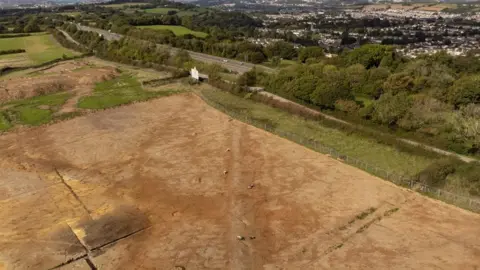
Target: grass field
{"x": 71, "y": 14}
{"x": 177, "y": 30}
{"x": 121, "y": 90}
{"x": 283, "y": 63}
{"x": 368, "y": 150}
{"x": 39, "y": 48}
{"x": 31, "y": 111}
{"x": 160, "y": 10}
{"x": 179, "y": 13}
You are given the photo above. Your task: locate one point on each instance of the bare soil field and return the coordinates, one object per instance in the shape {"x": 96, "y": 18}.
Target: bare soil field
{"x": 174, "y": 184}
{"x": 438, "y": 7}
{"x": 73, "y": 76}
{"x": 402, "y": 7}
{"x": 376, "y": 7}
{"x": 14, "y": 60}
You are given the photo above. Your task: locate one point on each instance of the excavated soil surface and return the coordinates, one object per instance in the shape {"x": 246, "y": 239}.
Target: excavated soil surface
{"x": 172, "y": 184}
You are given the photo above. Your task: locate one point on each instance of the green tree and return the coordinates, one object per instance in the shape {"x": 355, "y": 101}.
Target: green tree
{"x": 281, "y": 49}
{"x": 427, "y": 114}
{"x": 304, "y": 86}
{"x": 373, "y": 86}
{"x": 390, "y": 108}
{"x": 32, "y": 25}
{"x": 348, "y": 106}
{"x": 330, "y": 89}
{"x": 312, "y": 52}
{"x": 275, "y": 61}
{"x": 187, "y": 21}
{"x": 256, "y": 57}
{"x": 356, "y": 77}
{"x": 467, "y": 123}
{"x": 399, "y": 83}
{"x": 181, "y": 58}
{"x": 369, "y": 55}
{"x": 248, "y": 78}
{"x": 465, "y": 90}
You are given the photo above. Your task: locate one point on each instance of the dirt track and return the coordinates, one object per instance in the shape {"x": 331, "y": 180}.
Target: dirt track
{"x": 143, "y": 187}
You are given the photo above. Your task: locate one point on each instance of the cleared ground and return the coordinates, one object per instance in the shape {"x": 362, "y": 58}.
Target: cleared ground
{"x": 164, "y": 184}
{"x": 60, "y": 91}
{"x": 176, "y": 29}
{"x": 39, "y": 49}
{"x": 438, "y": 7}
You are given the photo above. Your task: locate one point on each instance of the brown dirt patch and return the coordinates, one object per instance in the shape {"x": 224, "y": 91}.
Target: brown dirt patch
{"x": 143, "y": 187}
{"x": 74, "y": 76}
{"x": 402, "y": 7}
{"x": 437, "y": 8}
{"x": 15, "y": 60}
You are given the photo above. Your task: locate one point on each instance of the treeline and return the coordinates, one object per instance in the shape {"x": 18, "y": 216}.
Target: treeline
{"x": 242, "y": 50}
{"x": 60, "y": 37}
{"x": 16, "y": 22}
{"x": 226, "y": 30}
{"x": 434, "y": 98}
{"x": 21, "y": 24}
{"x": 12, "y": 51}
{"x": 127, "y": 50}
{"x": 13, "y": 35}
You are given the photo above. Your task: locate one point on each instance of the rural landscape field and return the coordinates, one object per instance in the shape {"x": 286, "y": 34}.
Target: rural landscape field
{"x": 172, "y": 182}
{"x": 39, "y": 48}
{"x": 177, "y": 30}
{"x": 123, "y": 147}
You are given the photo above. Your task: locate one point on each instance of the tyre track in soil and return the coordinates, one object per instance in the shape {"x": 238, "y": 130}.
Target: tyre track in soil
{"x": 239, "y": 252}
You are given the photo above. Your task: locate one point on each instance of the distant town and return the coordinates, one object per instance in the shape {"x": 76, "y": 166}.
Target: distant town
{"x": 414, "y": 28}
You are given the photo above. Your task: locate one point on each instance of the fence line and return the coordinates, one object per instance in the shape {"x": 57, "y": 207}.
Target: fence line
{"x": 401, "y": 180}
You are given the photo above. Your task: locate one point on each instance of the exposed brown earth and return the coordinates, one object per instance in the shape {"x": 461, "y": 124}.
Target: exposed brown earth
{"x": 171, "y": 183}
{"x": 15, "y": 60}
{"x": 73, "y": 76}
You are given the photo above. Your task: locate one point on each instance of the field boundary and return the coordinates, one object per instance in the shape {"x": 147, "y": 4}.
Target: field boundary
{"x": 391, "y": 176}
{"x": 8, "y": 69}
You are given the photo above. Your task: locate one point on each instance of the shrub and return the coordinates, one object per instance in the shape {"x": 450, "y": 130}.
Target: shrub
{"x": 436, "y": 173}
{"x": 348, "y": 106}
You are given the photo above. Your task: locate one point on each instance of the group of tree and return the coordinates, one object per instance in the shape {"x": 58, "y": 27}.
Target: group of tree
{"x": 126, "y": 50}
{"x": 436, "y": 97}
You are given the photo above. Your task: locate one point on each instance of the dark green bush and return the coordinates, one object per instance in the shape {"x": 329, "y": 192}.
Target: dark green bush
{"x": 436, "y": 173}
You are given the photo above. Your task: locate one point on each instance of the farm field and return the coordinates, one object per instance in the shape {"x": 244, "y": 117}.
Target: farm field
{"x": 179, "y": 13}
{"x": 71, "y": 14}
{"x": 176, "y": 29}
{"x": 160, "y": 10}
{"x": 64, "y": 90}
{"x": 174, "y": 184}
{"x": 124, "y": 5}
{"x": 39, "y": 49}
{"x": 366, "y": 149}
{"x": 437, "y": 7}
{"x": 418, "y": 6}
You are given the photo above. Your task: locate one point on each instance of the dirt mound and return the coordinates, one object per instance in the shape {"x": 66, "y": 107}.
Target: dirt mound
{"x": 65, "y": 66}
{"x": 62, "y": 77}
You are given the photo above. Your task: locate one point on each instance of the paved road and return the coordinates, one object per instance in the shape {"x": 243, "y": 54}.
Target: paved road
{"x": 232, "y": 65}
